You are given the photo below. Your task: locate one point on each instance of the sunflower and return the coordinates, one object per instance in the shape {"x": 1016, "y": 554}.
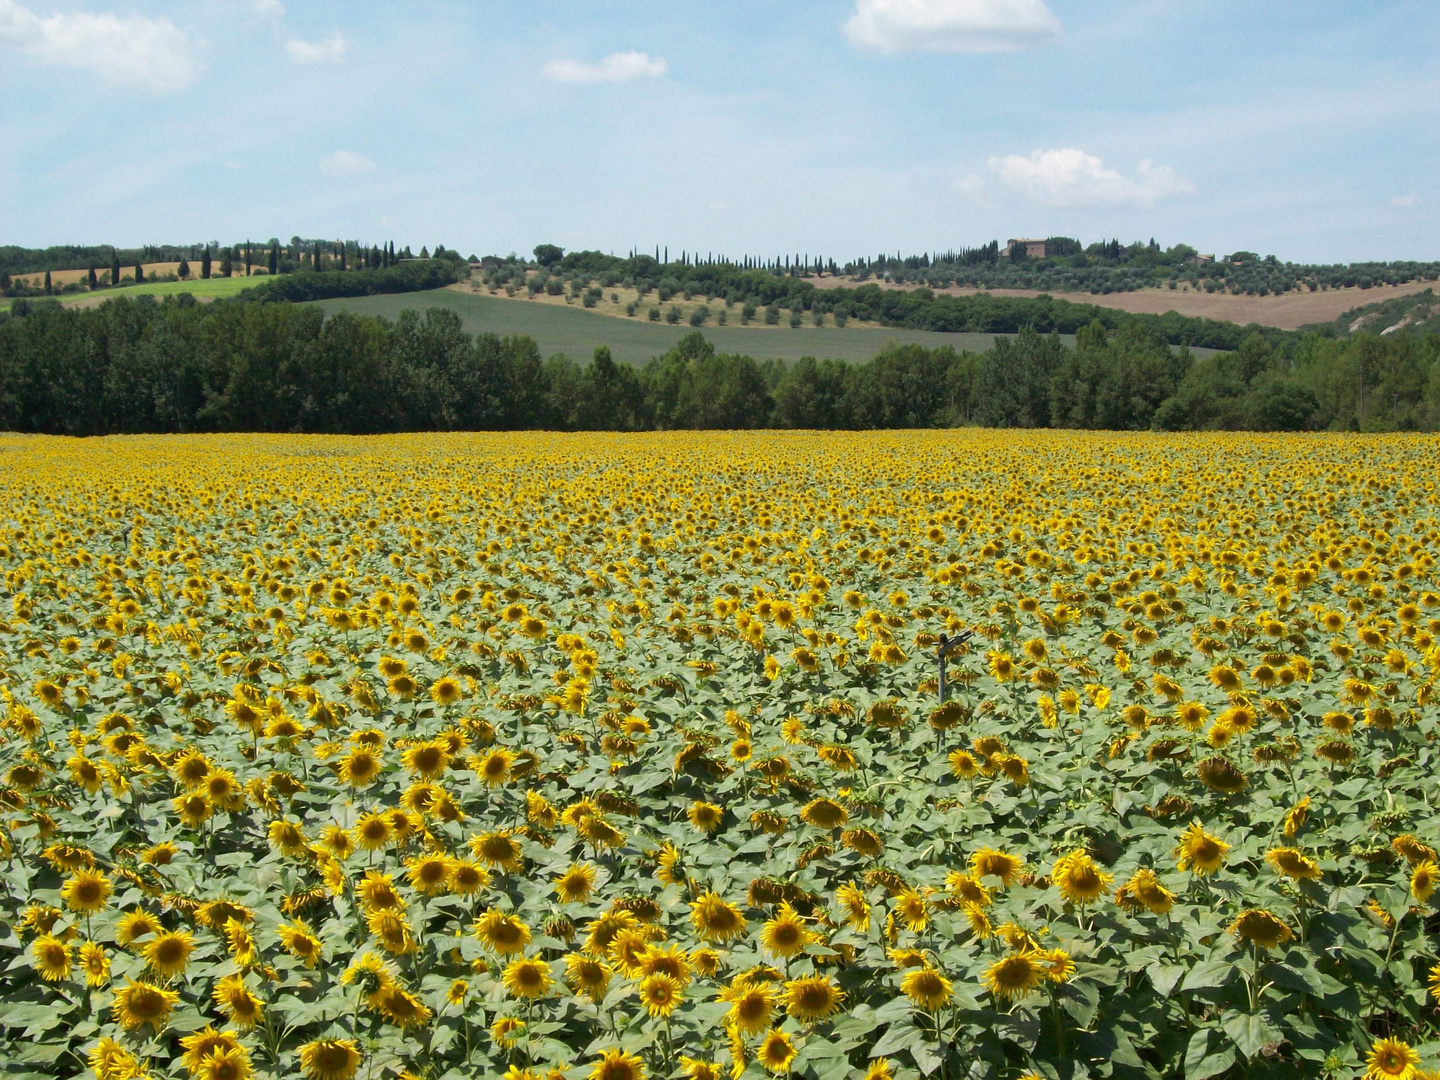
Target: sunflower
{"x": 660, "y": 994}
{"x": 1296, "y": 817}
{"x": 824, "y": 814}
{"x": 360, "y": 768}
{"x": 300, "y": 942}
{"x": 716, "y": 919}
{"x": 506, "y": 1030}
{"x": 498, "y": 849}
{"x": 979, "y": 921}
{"x": 374, "y": 832}
{"x": 967, "y": 888}
{"x": 785, "y": 934}
{"x": 694, "y": 1069}
{"x": 1391, "y": 1059}
{"x": 428, "y": 874}
{"x": 705, "y": 817}
{"x": 963, "y": 764}
{"x": 1293, "y": 864}
{"x": 390, "y": 928}
{"x": 671, "y": 961}
{"x": 987, "y": 862}
{"x": 1143, "y": 892}
{"x": 502, "y": 934}
{"x": 813, "y": 998}
{"x": 526, "y": 978}
{"x": 133, "y": 925}
{"x": 229, "y": 1064}
{"x": 1056, "y": 963}
{"x": 330, "y": 1059}
{"x": 776, "y": 1051}
{"x": 751, "y": 1006}
{"x": 193, "y": 809}
{"x": 111, "y": 1061}
{"x": 466, "y": 878}
{"x": 234, "y": 999}
{"x": 200, "y": 1045}
{"x": 926, "y": 987}
{"x": 1079, "y": 880}
{"x": 95, "y": 962}
{"x": 140, "y": 1003}
{"x": 1412, "y": 849}
{"x": 337, "y": 840}
{"x": 618, "y": 1065}
{"x": 852, "y": 900}
{"x": 86, "y": 892}
{"x": 428, "y": 760}
{"x": 912, "y": 909}
{"x": 401, "y": 1008}
{"x": 879, "y": 1070}
{"x": 602, "y": 930}
{"x": 1199, "y": 852}
{"x": 1260, "y": 927}
{"x": 52, "y": 957}
{"x": 446, "y": 691}
{"x": 1013, "y": 976}
{"x": 168, "y": 953}
{"x": 377, "y": 892}
{"x": 495, "y": 767}
{"x": 1423, "y": 880}
{"x": 586, "y": 975}
{"x": 862, "y": 841}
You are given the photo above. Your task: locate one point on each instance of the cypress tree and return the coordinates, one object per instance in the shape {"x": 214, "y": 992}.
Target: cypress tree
{"x": 341, "y": 246}
{"x": 247, "y": 258}
{"x": 139, "y": 273}
{"x": 227, "y": 263}
{"x": 92, "y": 276}
{"x": 274, "y": 257}
{"x": 205, "y": 264}
{"x": 47, "y": 283}
{"x": 115, "y": 270}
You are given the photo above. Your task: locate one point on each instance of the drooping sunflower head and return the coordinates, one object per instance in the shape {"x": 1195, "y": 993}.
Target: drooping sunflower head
{"x": 988, "y": 862}
{"x": 1079, "y": 880}
{"x": 1261, "y": 928}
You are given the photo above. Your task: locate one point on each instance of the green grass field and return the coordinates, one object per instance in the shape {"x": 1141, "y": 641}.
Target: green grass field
{"x": 577, "y": 332}
{"x": 212, "y": 289}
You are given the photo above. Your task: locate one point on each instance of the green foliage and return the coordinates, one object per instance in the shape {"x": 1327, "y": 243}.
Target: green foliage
{"x": 240, "y": 365}
{"x": 408, "y": 277}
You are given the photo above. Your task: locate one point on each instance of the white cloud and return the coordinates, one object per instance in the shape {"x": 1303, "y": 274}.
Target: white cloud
{"x": 1406, "y": 200}
{"x": 330, "y": 49}
{"x": 1074, "y": 178}
{"x": 268, "y": 7}
{"x": 969, "y": 26}
{"x": 617, "y": 67}
{"x": 131, "y": 51}
{"x": 346, "y": 163}
{"x": 970, "y": 185}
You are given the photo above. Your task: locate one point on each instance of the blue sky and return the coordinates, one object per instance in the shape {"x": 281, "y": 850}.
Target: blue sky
{"x": 1310, "y": 130}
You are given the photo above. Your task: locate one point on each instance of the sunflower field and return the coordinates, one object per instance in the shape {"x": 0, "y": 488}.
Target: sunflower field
{"x": 619, "y": 757}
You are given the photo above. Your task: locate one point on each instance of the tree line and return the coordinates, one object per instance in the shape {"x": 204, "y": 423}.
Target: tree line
{"x": 110, "y": 267}
{"x": 1104, "y": 267}
{"x": 138, "y": 365}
